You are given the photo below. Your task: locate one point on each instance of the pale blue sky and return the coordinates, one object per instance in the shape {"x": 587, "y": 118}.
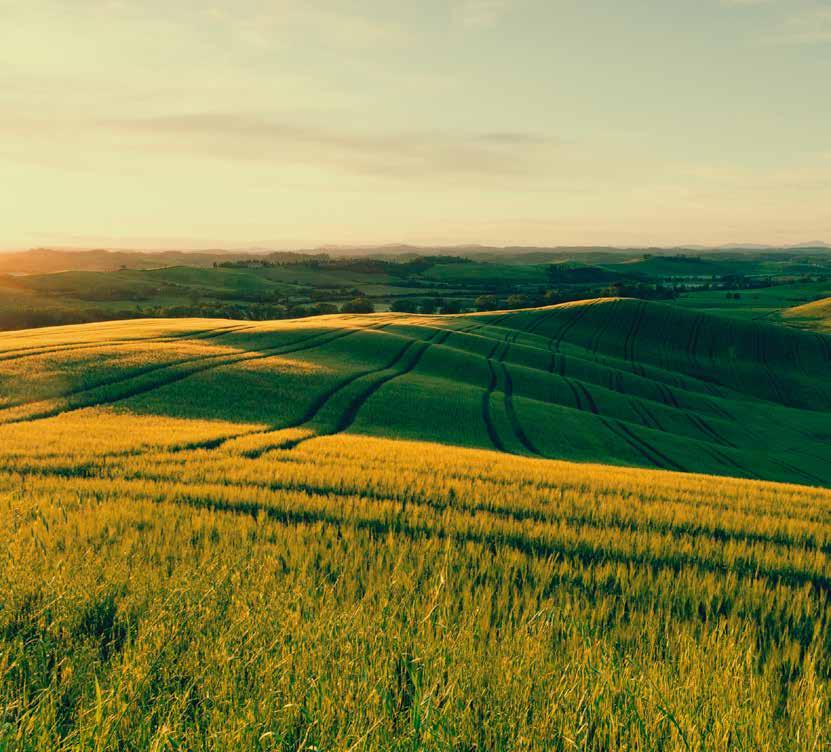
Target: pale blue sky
{"x": 286, "y": 124}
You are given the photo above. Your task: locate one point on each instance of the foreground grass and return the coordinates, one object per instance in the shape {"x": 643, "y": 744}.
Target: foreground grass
{"x": 356, "y": 593}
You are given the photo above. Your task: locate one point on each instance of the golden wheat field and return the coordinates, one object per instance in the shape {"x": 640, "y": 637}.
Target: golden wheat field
{"x": 234, "y": 578}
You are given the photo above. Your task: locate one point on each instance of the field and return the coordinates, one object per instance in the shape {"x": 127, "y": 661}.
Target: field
{"x": 46, "y": 288}
{"x": 616, "y": 381}
{"x": 814, "y": 315}
{"x": 348, "y": 532}
{"x": 239, "y": 292}
{"x": 771, "y": 304}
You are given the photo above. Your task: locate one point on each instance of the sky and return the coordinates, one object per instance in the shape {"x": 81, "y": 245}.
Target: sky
{"x": 280, "y": 124}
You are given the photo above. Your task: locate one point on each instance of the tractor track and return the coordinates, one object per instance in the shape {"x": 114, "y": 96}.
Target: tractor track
{"x": 508, "y": 393}
{"x": 486, "y": 408}
{"x": 655, "y": 456}
{"x": 558, "y": 362}
{"x": 415, "y": 346}
{"x": 200, "y": 334}
{"x": 668, "y": 396}
{"x": 574, "y": 393}
{"x": 631, "y": 338}
{"x": 724, "y": 459}
{"x": 539, "y": 321}
{"x": 592, "y": 405}
{"x": 707, "y": 429}
{"x": 125, "y": 377}
{"x": 692, "y": 340}
{"x": 647, "y": 418}
{"x": 307, "y": 344}
{"x": 355, "y": 406}
{"x": 602, "y": 329}
{"x": 502, "y": 349}
{"x": 557, "y": 338}
{"x": 781, "y": 394}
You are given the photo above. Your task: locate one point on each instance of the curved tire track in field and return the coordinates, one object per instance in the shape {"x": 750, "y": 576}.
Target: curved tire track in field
{"x": 712, "y": 385}
{"x": 692, "y": 340}
{"x": 502, "y": 348}
{"x": 643, "y": 447}
{"x": 629, "y": 344}
{"x": 663, "y": 460}
{"x": 419, "y": 347}
{"x": 592, "y": 405}
{"x": 198, "y": 334}
{"x": 584, "y": 401}
{"x": 493, "y": 381}
{"x": 705, "y": 427}
{"x": 667, "y": 395}
{"x": 320, "y": 402}
{"x": 539, "y": 321}
{"x": 349, "y": 417}
{"x": 558, "y": 362}
{"x": 650, "y": 448}
{"x": 486, "y": 407}
{"x": 570, "y": 323}
{"x": 762, "y": 354}
{"x": 129, "y": 375}
{"x": 728, "y": 461}
{"x": 603, "y": 328}
{"x": 645, "y": 416}
{"x": 508, "y": 393}
{"x": 574, "y": 393}
{"x": 135, "y": 391}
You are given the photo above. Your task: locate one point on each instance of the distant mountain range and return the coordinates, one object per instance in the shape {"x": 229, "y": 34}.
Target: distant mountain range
{"x": 51, "y": 260}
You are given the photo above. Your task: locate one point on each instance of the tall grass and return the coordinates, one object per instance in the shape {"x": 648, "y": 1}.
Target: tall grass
{"x": 368, "y": 594}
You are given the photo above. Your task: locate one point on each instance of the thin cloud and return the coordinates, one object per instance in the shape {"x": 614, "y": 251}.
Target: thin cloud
{"x": 481, "y": 13}
{"x": 237, "y": 136}
{"x": 809, "y": 27}
{"x": 746, "y": 3}
{"x": 810, "y": 24}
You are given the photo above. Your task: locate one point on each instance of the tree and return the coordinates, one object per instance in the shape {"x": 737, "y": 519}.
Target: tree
{"x": 358, "y": 305}
{"x": 322, "y": 309}
{"x": 430, "y": 305}
{"x": 404, "y": 306}
{"x": 486, "y": 303}
{"x": 451, "y": 306}
{"x": 517, "y": 301}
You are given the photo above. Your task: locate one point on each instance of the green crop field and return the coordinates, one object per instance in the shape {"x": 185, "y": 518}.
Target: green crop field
{"x": 769, "y": 304}
{"x": 599, "y": 525}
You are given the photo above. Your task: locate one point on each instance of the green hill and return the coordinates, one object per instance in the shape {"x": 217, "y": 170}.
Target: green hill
{"x": 814, "y": 315}
{"x": 613, "y": 380}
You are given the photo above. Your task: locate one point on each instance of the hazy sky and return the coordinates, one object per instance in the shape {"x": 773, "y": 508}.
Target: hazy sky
{"x": 287, "y": 124}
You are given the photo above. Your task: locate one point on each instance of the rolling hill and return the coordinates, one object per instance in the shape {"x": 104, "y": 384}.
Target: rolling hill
{"x": 346, "y": 532}
{"x": 617, "y": 381}
{"x": 814, "y": 315}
